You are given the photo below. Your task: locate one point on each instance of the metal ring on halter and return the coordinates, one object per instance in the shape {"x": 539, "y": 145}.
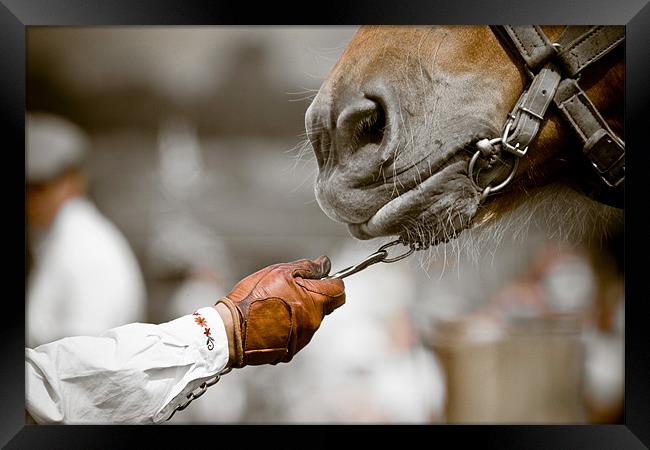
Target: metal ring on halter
{"x": 489, "y": 189}
{"x": 395, "y": 258}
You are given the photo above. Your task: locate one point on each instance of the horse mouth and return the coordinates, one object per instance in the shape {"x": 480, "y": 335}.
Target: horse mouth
{"x": 433, "y": 211}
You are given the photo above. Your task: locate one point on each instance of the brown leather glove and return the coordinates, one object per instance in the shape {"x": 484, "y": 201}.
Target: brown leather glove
{"x": 277, "y": 310}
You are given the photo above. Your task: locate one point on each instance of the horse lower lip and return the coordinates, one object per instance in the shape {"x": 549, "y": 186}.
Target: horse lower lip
{"x": 389, "y": 218}
{"x": 410, "y": 203}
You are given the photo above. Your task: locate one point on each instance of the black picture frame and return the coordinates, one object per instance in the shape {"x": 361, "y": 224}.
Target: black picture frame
{"x": 16, "y": 15}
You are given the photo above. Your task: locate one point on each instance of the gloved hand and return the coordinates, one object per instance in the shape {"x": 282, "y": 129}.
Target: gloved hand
{"x": 276, "y": 311}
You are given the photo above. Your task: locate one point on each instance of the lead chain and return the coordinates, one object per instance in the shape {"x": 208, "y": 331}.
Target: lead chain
{"x": 381, "y": 255}
{"x": 189, "y": 398}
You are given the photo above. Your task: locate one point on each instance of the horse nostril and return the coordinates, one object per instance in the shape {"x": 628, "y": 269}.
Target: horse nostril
{"x": 370, "y": 128}
{"x": 362, "y": 124}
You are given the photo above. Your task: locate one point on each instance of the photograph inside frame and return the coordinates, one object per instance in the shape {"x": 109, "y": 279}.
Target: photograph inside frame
{"x": 465, "y": 182}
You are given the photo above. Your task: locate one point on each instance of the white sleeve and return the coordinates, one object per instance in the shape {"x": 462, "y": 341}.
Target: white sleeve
{"x": 136, "y": 373}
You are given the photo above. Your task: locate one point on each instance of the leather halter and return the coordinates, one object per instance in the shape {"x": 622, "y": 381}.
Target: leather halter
{"x": 554, "y": 69}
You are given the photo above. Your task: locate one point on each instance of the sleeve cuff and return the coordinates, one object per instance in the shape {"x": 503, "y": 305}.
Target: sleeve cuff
{"x": 205, "y": 332}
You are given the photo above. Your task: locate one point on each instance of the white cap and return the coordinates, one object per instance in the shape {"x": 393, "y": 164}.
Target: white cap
{"x": 54, "y": 145}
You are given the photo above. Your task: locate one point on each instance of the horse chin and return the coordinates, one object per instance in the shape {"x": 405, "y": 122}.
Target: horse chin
{"x": 434, "y": 211}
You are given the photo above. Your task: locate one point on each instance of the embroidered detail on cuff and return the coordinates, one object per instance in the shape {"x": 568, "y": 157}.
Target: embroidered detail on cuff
{"x": 206, "y": 344}
{"x": 203, "y": 323}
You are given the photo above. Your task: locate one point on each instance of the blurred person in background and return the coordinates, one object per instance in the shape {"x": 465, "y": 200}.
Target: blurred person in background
{"x": 85, "y": 278}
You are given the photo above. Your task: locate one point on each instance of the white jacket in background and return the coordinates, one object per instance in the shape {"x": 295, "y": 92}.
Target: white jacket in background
{"x": 85, "y": 278}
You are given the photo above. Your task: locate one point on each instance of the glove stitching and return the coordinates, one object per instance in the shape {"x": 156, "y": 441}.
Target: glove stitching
{"x": 299, "y": 282}
{"x": 292, "y": 341}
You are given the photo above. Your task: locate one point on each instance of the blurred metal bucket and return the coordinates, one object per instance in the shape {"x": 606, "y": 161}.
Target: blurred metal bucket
{"x": 530, "y": 373}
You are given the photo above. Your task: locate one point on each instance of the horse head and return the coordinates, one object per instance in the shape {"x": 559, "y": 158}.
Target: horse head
{"x": 397, "y": 120}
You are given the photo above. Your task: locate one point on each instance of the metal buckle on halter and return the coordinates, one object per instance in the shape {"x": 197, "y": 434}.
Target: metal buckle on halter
{"x": 606, "y": 154}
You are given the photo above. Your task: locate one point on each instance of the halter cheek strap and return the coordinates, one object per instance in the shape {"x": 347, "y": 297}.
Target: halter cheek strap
{"x": 554, "y": 69}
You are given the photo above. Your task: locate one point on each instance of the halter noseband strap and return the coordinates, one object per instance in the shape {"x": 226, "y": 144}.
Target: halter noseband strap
{"x": 554, "y": 68}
